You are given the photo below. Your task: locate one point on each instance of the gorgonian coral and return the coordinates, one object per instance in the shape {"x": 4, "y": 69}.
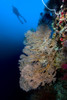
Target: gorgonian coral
{"x": 36, "y": 64}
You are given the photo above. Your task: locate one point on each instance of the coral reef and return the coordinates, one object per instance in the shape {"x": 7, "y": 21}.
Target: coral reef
{"x": 43, "y": 56}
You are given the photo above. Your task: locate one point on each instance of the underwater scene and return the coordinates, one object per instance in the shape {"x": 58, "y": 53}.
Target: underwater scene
{"x": 33, "y": 50}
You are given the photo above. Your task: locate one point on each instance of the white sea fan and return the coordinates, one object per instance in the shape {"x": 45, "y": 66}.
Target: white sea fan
{"x": 36, "y": 64}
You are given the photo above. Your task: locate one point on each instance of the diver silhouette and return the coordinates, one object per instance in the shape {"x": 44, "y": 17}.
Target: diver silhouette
{"x": 16, "y": 12}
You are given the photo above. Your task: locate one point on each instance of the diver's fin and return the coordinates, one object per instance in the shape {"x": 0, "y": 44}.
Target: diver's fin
{"x": 20, "y": 20}
{"x": 24, "y": 19}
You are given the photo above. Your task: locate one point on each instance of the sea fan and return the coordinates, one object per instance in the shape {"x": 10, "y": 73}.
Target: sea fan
{"x": 36, "y": 64}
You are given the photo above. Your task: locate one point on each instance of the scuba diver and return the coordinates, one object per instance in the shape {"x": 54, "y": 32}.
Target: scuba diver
{"x": 16, "y": 12}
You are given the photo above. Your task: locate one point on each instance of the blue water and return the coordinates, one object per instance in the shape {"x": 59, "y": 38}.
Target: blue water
{"x": 11, "y": 30}
{"x": 11, "y": 42}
